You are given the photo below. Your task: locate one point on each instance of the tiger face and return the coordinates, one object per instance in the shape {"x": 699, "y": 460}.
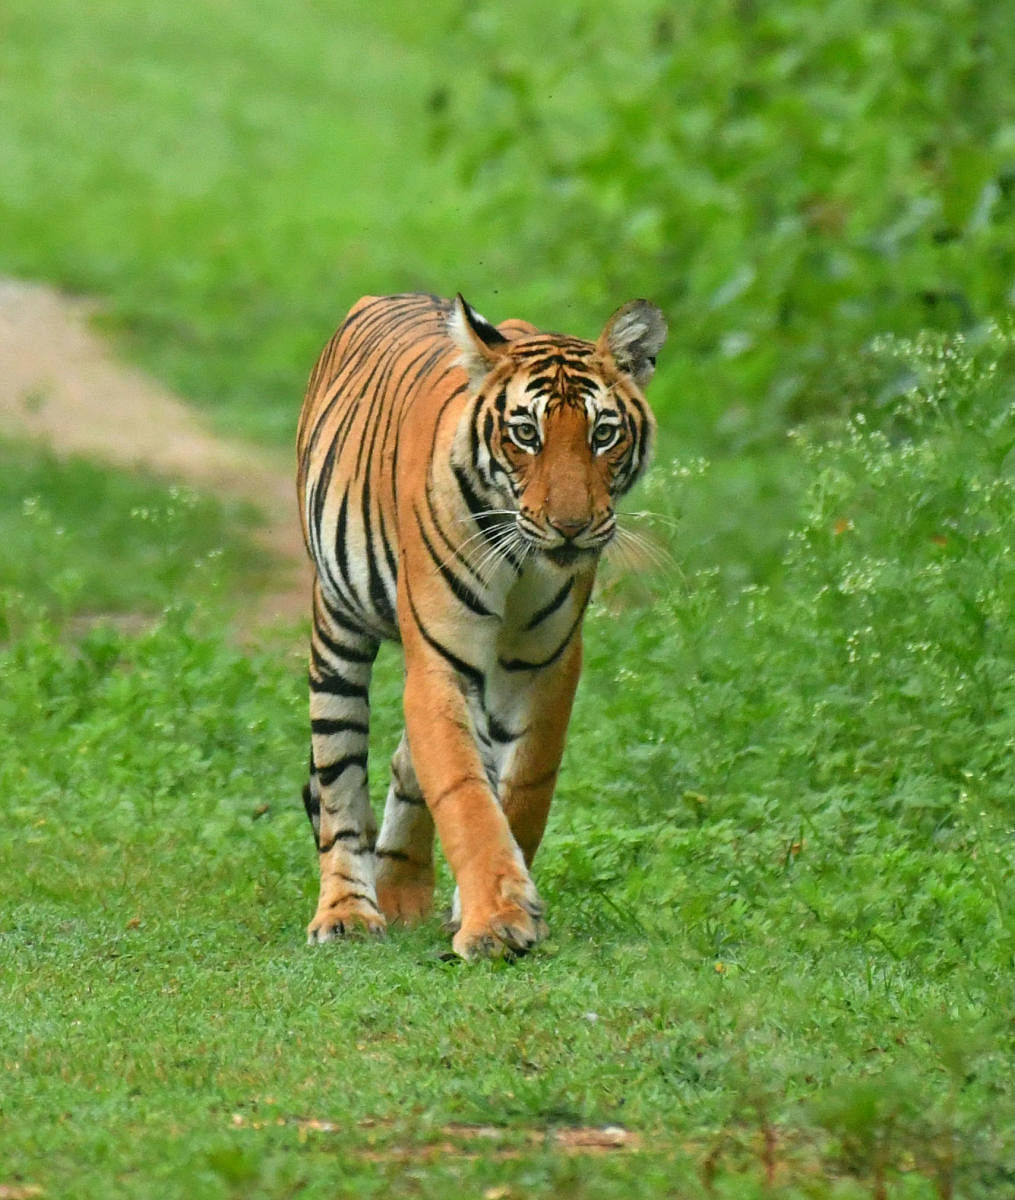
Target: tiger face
{"x": 560, "y": 428}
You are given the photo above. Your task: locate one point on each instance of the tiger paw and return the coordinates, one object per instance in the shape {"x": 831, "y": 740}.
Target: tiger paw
{"x": 405, "y": 890}
{"x": 345, "y": 917}
{"x": 513, "y": 927}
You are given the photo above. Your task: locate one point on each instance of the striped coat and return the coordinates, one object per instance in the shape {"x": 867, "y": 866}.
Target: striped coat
{"x": 457, "y": 484}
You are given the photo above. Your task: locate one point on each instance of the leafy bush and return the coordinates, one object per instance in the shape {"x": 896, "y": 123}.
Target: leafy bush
{"x": 786, "y": 180}
{"x": 864, "y": 700}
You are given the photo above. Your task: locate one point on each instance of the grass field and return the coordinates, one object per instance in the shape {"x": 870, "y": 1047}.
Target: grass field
{"x": 780, "y": 867}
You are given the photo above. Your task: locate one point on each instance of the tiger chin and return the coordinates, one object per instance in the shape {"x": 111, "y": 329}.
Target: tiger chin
{"x": 457, "y": 485}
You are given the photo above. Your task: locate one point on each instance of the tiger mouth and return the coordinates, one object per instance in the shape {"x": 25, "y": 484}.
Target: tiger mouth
{"x": 568, "y": 554}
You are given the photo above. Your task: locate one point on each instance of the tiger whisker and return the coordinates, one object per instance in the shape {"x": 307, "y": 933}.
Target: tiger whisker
{"x": 643, "y": 540}
{"x": 657, "y": 554}
{"x": 493, "y": 556}
{"x": 493, "y": 538}
{"x": 645, "y": 514}
{"x": 490, "y": 535}
{"x": 459, "y": 549}
{"x": 499, "y": 550}
{"x": 629, "y": 543}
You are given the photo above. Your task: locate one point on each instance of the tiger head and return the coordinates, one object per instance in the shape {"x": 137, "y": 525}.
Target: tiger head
{"x": 559, "y": 429}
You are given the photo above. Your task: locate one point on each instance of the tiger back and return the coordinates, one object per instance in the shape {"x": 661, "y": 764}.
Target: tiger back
{"x": 457, "y": 484}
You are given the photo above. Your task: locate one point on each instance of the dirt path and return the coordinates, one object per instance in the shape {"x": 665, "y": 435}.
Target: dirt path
{"x": 59, "y": 382}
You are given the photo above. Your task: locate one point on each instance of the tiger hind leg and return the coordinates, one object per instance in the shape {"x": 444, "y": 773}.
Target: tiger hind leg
{"x": 404, "y": 854}
{"x": 336, "y": 795}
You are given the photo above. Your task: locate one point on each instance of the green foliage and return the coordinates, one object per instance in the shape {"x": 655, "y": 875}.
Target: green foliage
{"x": 786, "y": 180}
{"x": 213, "y": 170}
{"x": 869, "y": 695}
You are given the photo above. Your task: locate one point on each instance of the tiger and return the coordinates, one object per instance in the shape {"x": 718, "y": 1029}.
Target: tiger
{"x": 457, "y": 484}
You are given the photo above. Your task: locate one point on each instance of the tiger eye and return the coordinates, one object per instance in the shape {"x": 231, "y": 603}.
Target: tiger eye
{"x": 525, "y": 433}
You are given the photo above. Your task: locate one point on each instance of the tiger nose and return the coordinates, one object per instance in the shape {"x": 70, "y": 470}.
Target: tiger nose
{"x": 568, "y": 527}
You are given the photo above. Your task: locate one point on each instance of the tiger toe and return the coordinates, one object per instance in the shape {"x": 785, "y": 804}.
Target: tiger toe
{"x": 509, "y": 932}
{"x": 343, "y": 921}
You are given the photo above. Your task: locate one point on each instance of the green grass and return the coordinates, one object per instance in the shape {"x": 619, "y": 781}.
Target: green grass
{"x": 779, "y": 871}
{"x": 81, "y": 540}
{"x": 216, "y": 173}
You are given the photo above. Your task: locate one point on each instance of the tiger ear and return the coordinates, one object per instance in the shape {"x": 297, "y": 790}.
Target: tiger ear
{"x": 633, "y": 337}
{"x": 479, "y": 343}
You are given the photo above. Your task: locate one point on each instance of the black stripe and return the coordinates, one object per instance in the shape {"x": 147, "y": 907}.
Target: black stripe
{"x": 335, "y": 685}
{"x": 328, "y": 773}
{"x": 551, "y": 607}
{"x": 313, "y": 806}
{"x": 487, "y": 522}
{"x": 382, "y": 604}
{"x": 389, "y": 554}
{"x": 642, "y": 427}
{"x": 327, "y": 726}
{"x": 420, "y": 367}
{"x": 407, "y": 798}
{"x": 319, "y": 488}
{"x": 474, "y": 435}
{"x": 436, "y": 423}
{"x": 454, "y": 552}
{"x": 519, "y": 664}
{"x": 459, "y": 589}
{"x": 498, "y": 732}
{"x": 339, "y": 650}
{"x": 471, "y": 673}
{"x": 341, "y": 556}
{"x": 354, "y": 896}
{"x": 489, "y": 424}
{"x": 347, "y": 623}
{"x": 345, "y": 835}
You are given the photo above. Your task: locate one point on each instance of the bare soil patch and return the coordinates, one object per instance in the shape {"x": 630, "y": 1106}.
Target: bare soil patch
{"x": 60, "y": 383}
{"x": 462, "y": 1140}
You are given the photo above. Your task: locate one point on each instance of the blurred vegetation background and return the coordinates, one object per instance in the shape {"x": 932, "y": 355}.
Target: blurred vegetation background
{"x": 784, "y": 179}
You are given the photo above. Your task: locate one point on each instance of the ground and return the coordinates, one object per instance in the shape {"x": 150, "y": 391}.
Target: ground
{"x": 59, "y": 382}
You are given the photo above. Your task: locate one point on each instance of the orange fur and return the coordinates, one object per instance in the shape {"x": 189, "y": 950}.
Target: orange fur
{"x": 456, "y": 488}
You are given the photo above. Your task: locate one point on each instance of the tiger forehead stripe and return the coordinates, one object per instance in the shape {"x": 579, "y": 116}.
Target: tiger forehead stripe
{"x": 564, "y": 387}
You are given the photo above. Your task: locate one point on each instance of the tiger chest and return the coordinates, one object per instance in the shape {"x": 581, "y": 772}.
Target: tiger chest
{"x": 541, "y": 618}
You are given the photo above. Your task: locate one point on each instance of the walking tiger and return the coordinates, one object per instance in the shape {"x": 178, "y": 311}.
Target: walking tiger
{"x": 457, "y": 483}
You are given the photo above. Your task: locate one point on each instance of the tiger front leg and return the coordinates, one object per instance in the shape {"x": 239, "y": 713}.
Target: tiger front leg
{"x": 347, "y": 902}
{"x": 529, "y": 773}
{"x": 336, "y": 797}
{"x": 500, "y": 908}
